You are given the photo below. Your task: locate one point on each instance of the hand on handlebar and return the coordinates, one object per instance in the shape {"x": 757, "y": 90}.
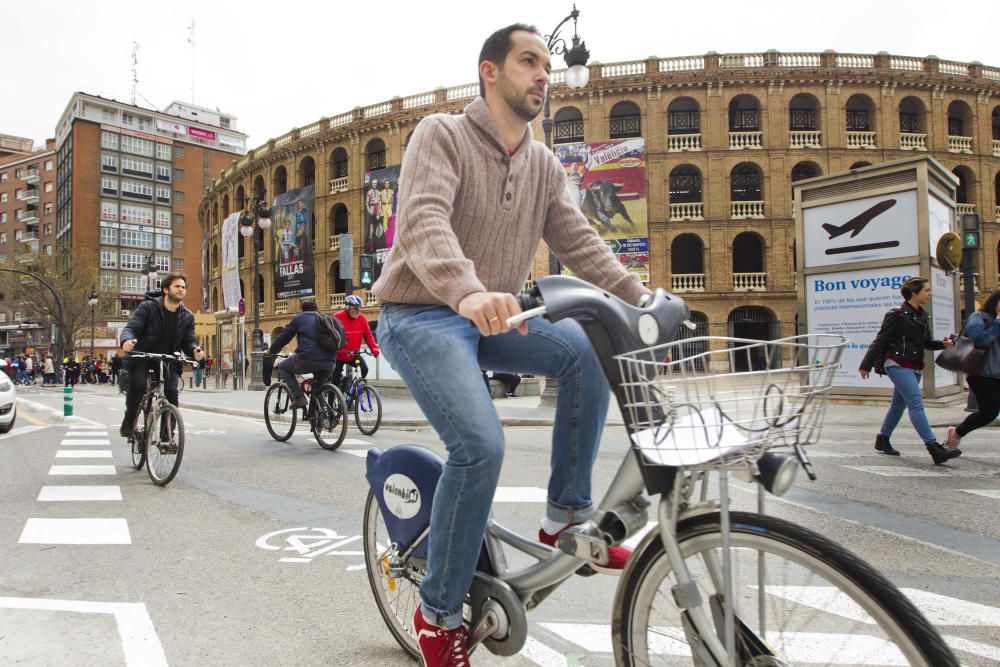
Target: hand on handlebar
{"x": 199, "y": 354}
{"x": 128, "y": 345}
{"x": 489, "y": 312}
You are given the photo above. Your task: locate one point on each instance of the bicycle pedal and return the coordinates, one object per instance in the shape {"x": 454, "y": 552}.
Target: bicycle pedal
{"x": 591, "y": 548}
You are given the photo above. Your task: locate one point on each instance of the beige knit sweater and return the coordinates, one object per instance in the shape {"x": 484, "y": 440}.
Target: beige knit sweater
{"x": 470, "y": 217}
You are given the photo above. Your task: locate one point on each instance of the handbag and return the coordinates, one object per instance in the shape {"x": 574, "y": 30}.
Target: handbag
{"x": 964, "y": 357}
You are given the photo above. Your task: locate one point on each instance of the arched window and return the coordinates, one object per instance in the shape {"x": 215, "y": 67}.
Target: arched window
{"x": 625, "y": 121}
{"x": 744, "y": 114}
{"x": 568, "y": 127}
{"x": 996, "y": 123}
{"x": 225, "y": 206}
{"x": 685, "y": 193}
{"x": 687, "y": 257}
{"x": 959, "y": 119}
{"x": 375, "y": 155}
{"x": 338, "y": 163}
{"x": 307, "y": 172}
{"x": 996, "y": 191}
{"x": 745, "y": 183}
{"x": 748, "y": 256}
{"x": 964, "y": 193}
{"x": 860, "y": 113}
{"x": 335, "y": 283}
{"x": 214, "y": 305}
{"x": 683, "y": 117}
{"x": 241, "y": 198}
{"x": 279, "y": 182}
{"x": 912, "y": 114}
{"x": 260, "y": 288}
{"x": 215, "y": 256}
{"x": 803, "y": 113}
{"x": 753, "y": 323}
{"x": 804, "y": 170}
{"x": 696, "y": 346}
{"x": 338, "y": 219}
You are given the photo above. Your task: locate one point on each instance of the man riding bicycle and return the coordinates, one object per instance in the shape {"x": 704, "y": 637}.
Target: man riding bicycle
{"x": 309, "y": 357}
{"x": 477, "y": 195}
{"x": 162, "y": 325}
{"x": 356, "y": 328}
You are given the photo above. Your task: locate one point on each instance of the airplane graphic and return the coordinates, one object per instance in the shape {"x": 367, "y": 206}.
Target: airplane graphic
{"x": 859, "y": 222}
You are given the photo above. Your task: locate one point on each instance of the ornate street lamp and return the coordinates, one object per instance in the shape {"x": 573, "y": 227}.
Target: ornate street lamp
{"x": 93, "y": 304}
{"x": 255, "y": 213}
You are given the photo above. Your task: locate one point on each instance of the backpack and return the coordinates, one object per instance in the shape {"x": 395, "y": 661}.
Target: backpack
{"x": 330, "y": 334}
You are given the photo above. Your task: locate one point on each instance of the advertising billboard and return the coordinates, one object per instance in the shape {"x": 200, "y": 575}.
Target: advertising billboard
{"x": 230, "y": 260}
{"x": 943, "y": 322}
{"x": 609, "y": 178}
{"x": 381, "y": 196}
{"x": 291, "y": 234}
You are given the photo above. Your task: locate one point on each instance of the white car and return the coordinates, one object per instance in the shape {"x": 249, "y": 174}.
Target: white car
{"x": 8, "y": 403}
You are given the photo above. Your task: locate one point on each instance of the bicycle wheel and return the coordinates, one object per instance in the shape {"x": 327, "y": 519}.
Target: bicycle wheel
{"x": 397, "y": 595}
{"x": 278, "y": 416}
{"x": 796, "y": 593}
{"x": 137, "y": 441}
{"x": 367, "y": 409}
{"x": 330, "y": 422}
{"x": 165, "y": 444}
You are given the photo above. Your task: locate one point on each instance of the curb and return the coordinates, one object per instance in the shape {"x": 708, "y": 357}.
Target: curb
{"x": 40, "y": 409}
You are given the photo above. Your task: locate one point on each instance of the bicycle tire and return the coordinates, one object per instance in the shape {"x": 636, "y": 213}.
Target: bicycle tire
{"x": 137, "y": 441}
{"x": 329, "y": 426}
{"x": 376, "y": 544}
{"x": 278, "y": 417}
{"x": 165, "y": 444}
{"x": 367, "y": 409}
{"x": 857, "y": 587}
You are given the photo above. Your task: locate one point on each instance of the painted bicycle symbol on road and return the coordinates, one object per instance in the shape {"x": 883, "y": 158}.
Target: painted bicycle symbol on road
{"x": 309, "y": 543}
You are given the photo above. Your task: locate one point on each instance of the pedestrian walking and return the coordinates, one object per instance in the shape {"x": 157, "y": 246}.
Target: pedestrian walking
{"x": 983, "y": 329}
{"x": 898, "y": 351}
{"x": 198, "y": 368}
{"x": 49, "y": 370}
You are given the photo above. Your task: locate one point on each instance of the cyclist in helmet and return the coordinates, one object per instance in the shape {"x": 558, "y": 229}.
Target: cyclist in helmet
{"x": 357, "y": 329}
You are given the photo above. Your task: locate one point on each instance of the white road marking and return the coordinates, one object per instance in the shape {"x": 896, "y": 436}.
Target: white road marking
{"x": 79, "y": 493}
{"x": 86, "y": 434}
{"x": 988, "y": 493}
{"x": 519, "y": 494}
{"x": 975, "y": 648}
{"x": 947, "y": 610}
{"x": 82, "y": 470}
{"x": 360, "y": 453}
{"x": 139, "y": 641}
{"x": 355, "y": 441}
{"x": 21, "y": 430}
{"x": 75, "y": 531}
{"x": 542, "y": 655}
{"x": 897, "y": 471}
{"x": 83, "y": 454}
{"x": 81, "y": 441}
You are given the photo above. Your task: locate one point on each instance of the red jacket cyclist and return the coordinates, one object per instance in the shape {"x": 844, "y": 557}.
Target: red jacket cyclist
{"x": 357, "y": 329}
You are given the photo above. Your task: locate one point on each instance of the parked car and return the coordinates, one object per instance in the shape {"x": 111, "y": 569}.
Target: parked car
{"x": 8, "y": 403}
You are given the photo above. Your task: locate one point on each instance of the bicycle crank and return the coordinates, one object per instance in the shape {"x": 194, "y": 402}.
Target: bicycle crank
{"x": 498, "y": 617}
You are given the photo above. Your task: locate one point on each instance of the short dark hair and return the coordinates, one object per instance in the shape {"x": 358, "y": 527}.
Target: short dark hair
{"x": 170, "y": 279}
{"x": 913, "y": 286}
{"x": 308, "y": 305}
{"x": 497, "y": 46}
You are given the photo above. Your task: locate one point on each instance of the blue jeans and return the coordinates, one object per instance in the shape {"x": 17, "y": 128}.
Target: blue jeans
{"x": 906, "y": 395}
{"x": 438, "y": 353}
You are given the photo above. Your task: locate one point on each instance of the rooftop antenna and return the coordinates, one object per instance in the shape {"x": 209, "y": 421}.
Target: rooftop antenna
{"x": 135, "y": 68}
{"x": 190, "y": 40}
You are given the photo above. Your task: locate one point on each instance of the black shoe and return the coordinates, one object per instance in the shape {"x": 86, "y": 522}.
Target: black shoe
{"x": 882, "y": 445}
{"x": 297, "y": 403}
{"x": 126, "y": 430}
{"x": 941, "y": 454}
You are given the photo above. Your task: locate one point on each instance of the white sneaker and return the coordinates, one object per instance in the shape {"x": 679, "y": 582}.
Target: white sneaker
{"x": 953, "y": 438}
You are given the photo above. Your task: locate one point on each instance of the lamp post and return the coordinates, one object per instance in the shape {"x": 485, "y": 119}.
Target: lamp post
{"x": 93, "y": 305}
{"x": 576, "y": 56}
{"x": 256, "y": 214}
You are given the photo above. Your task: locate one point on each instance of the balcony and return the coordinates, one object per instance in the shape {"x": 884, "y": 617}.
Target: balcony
{"x": 860, "y": 139}
{"x": 749, "y": 282}
{"x": 28, "y": 216}
{"x": 260, "y": 256}
{"x": 959, "y": 144}
{"x": 30, "y": 176}
{"x": 338, "y": 185}
{"x": 975, "y": 282}
{"x": 567, "y": 131}
{"x": 909, "y": 141}
{"x": 683, "y": 142}
{"x": 804, "y": 139}
{"x": 690, "y": 211}
{"x": 281, "y": 307}
{"x": 370, "y": 300}
{"x": 741, "y": 140}
{"x": 996, "y": 148}
{"x": 29, "y": 237}
{"x": 335, "y": 243}
{"x": 337, "y": 301}
{"x": 962, "y": 209}
{"x": 747, "y": 209}
{"x": 687, "y": 282}
{"x": 28, "y": 196}
{"x": 996, "y": 213}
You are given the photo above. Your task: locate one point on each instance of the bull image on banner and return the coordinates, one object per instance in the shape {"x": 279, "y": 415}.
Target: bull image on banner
{"x": 609, "y": 178}
{"x": 292, "y": 238}
{"x": 381, "y": 195}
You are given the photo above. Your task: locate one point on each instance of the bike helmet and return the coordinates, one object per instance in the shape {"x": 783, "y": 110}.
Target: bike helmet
{"x": 354, "y": 302}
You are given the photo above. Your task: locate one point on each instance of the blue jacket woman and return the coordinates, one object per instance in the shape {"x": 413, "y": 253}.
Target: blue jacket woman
{"x": 983, "y": 328}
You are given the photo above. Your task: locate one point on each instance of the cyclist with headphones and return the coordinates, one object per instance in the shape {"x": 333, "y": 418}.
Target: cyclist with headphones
{"x": 357, "y": 329}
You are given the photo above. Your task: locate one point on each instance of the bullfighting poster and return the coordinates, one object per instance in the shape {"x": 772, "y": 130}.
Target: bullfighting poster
{"x": 291, "y": 234}
{"x": 610, "y": 181}
{"x": 380, "y": 197}
{"x": 230, "y": 261}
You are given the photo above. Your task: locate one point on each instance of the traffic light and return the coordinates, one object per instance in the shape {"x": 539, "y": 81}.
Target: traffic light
{"x": 366, "y": 270}
{"x": 970, "y": 231}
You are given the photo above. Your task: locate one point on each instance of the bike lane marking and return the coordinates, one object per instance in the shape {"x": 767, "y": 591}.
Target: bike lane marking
{"x": 139, "y": 640}
{"x": 66, "y": 493}
{"x": 75, "y": 531}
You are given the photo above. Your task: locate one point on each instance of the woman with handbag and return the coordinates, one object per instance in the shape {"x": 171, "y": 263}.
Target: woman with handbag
{"x": 983, "y": 329}
{"x": 898, "y": 351}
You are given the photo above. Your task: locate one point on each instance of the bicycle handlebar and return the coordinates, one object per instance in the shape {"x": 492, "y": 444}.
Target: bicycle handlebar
{"x": 176, "y": 356}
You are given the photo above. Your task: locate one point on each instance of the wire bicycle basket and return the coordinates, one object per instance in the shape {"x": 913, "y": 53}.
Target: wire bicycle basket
{"x": 685, "y": 405}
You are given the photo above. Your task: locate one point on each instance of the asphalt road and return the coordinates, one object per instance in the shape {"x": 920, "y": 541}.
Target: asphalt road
{"x": 220, "y": 567}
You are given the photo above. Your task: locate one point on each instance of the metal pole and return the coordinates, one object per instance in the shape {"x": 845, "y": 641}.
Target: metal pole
{"x": 969, "y": 289}
{"x": 257, "y": 337}
{"x": 92, "y": 308}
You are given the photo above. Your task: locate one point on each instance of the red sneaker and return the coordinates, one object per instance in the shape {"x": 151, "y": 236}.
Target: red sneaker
{"x": 617, "y": 556}
{"x": 440, "y": 647}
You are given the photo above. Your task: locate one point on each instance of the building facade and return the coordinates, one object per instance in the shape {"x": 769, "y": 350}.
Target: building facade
{"x": 27, "y": 224}
{"x": 725, "y": 136}
{"x": 129, "y": 183}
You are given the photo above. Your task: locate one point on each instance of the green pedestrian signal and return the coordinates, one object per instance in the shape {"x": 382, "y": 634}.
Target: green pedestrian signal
{"x": 366, "y": 270}
{"x": 970, "y": 239}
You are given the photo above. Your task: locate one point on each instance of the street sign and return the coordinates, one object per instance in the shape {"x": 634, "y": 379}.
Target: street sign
{"x": 243, "y": 307}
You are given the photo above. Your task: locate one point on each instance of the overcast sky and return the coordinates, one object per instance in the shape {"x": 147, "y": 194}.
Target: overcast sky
{"x": 280, "y": 65}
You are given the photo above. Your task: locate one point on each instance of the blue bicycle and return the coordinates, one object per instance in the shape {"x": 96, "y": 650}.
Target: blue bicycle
{"x": 361, "y": 398}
